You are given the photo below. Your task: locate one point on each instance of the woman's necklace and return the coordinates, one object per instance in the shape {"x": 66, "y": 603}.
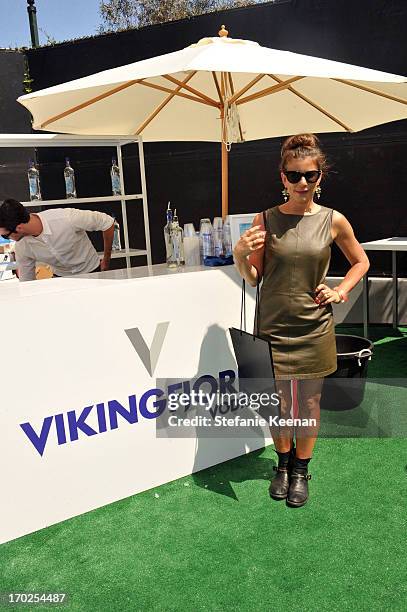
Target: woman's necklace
{"x": 309, "y": 209}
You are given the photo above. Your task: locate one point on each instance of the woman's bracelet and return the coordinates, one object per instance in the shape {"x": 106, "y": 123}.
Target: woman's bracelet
{"x": 342, "y": 294}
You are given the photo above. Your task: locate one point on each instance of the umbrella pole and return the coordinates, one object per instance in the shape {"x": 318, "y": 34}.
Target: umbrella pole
{"x": 225, "y": 162}
{"x": 225, "y": 181}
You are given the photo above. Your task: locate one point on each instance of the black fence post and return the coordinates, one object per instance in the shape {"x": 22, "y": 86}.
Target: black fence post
{"x": 32, "y": 16}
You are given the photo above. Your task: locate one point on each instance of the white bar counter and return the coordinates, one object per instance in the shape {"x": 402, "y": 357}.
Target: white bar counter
{"x": 85, "y": 363}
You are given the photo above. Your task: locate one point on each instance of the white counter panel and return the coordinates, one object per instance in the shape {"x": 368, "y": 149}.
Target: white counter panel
{"x": 68, "y": 354}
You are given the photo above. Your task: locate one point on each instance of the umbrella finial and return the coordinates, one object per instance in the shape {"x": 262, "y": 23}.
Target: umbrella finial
{"x": 223, "y": 31}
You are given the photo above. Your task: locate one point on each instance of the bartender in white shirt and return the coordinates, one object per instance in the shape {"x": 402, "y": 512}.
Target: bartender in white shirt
{"x": 57, "y": 237}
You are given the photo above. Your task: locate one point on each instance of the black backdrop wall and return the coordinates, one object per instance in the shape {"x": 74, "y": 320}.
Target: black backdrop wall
{"x": 13, "y": 120}
{"x": 368, "y": 181}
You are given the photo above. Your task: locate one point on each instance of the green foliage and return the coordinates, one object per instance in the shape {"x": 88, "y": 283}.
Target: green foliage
{"x": 124, "y": 14}
{"x": 51, "y": 40}
{"x": 27, "y": 81}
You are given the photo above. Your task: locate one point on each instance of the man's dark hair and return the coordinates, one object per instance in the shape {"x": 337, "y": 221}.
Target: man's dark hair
{"x": 12, "y": 213}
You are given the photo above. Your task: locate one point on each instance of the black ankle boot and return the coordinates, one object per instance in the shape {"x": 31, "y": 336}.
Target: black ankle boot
{"x": 279, "y": 485}
{"x": 298, "y": 489}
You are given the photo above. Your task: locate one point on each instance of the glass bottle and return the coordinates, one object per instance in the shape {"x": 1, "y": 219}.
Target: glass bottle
{"x": 34, "y": 181}
{"x": 116, "y": 244}
{"x": 218, "y": 236}
{"x": 169, "y": 255}
{"x": 69, "y": 175}
{"x": 177, "y": 234}
{"x": 206, "y": 239}
{"x": 227, "y": 238}
{"x": 115, "y": 176}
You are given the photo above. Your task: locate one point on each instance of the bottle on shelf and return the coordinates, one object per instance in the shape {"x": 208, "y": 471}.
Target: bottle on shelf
{"x": 116, "y": 244}
{"x": 115, "y": 176}
{"x": 169, "y": 256}
{"x": 34, "y": 181}
{"x": 218, "y": 236}
{"x": 177, "y": 234}
{"x": 206, "y": 239}
{"x": 227, "y": 238}
{"x": 69, "y": 175}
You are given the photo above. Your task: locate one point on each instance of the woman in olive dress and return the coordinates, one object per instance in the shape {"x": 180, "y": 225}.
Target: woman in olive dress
{"x": 291, "y": 254}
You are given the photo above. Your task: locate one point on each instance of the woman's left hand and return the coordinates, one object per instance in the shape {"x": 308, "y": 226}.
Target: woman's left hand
{"x": 325, "y": 295}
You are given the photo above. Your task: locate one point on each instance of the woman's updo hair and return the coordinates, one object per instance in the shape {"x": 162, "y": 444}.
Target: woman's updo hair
{"x": 300, "y": 146}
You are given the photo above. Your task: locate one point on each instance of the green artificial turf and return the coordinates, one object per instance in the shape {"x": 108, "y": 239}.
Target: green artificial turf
{"x": 215, "y": 541}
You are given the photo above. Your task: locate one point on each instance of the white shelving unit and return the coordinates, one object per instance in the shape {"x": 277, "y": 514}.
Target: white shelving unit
{"x": 64, "y": 140}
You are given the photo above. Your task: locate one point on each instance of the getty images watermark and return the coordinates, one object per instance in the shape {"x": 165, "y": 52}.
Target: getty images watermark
{"x": 227, "y": 407}
{"x": 220, "y": 406}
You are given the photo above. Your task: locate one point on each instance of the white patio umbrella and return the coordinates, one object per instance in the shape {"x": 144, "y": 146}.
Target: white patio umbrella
{"x": 221, "y": 89}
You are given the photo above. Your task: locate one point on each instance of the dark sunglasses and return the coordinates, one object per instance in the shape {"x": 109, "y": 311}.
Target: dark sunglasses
{"x": 6, "y": 236}
{"x": 294, "y": 177}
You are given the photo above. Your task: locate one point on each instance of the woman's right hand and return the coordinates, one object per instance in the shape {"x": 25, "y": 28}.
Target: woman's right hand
{"x": 250, "y": 241}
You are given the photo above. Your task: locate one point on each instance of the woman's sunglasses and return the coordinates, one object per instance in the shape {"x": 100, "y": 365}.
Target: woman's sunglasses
{"x": 294, "y": 177}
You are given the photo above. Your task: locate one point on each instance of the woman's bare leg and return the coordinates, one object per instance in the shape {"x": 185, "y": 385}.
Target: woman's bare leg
{"x": 309, "y": 397}
{"x": 283, "y": 436}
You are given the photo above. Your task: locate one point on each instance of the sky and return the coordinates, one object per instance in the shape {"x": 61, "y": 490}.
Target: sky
{"x": 58, "y": 19}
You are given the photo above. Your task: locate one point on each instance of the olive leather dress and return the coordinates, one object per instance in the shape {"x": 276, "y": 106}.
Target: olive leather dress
{"x": 296, "y": 260}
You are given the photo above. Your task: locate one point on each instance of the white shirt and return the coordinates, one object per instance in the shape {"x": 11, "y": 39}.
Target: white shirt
{"x": 63, "y": 243}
